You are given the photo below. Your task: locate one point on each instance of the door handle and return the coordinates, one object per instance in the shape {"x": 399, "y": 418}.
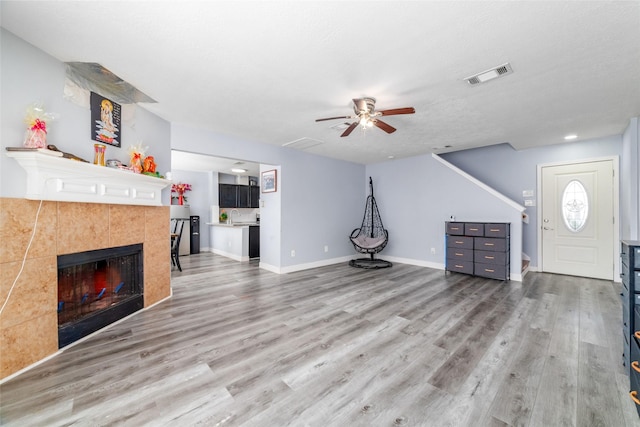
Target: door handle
{"x": 547, "y": 228}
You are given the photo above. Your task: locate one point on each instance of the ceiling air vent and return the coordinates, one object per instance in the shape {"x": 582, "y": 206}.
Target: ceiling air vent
{"x": 303, "y": 143}
{"x": 340, "y": 126}
{"x": 493, "y": 73}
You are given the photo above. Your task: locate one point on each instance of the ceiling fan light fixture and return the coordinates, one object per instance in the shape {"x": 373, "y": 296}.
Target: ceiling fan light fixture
{"x": 366, "y": 116}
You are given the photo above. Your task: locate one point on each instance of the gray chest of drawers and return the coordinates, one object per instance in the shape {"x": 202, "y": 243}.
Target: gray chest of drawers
{"x": 478, "y": 248}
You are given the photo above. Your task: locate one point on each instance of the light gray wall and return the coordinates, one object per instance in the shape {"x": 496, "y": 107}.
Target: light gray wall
{"x": 417, "y": 195}
{"x": 510, "y": 171}
{"x": 198, "y": 199}
{"x": 320, "y": 199}
{"x": 29, "y": 75}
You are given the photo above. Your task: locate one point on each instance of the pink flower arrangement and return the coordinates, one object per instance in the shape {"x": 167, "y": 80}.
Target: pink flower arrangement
{"x": 180, "y": 188}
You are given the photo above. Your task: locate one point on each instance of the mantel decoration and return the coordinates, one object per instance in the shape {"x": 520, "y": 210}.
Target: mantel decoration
{"x": 180, "y": 188}
{"x": 105, "y": 120}
{"x": 36, "y": 119}
{"x": 136, "y": 152}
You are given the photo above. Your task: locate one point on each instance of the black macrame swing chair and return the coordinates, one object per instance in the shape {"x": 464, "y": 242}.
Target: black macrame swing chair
{"x": 371, "y": 237}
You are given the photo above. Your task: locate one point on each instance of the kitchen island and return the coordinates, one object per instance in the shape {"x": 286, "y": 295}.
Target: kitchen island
{"x": 239, "y": 241}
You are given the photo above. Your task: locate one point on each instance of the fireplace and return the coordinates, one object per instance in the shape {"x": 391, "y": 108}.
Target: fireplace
{"x": 97, "y": 288}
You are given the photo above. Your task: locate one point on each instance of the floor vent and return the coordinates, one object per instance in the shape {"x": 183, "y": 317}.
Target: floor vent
{"x": 493, "y": 73}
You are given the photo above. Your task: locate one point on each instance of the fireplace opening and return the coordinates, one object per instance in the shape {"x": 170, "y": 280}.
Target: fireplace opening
{"x": 97, "y": 288}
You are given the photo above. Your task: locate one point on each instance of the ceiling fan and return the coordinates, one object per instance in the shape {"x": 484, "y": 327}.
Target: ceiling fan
{"x": 366, "y": 116}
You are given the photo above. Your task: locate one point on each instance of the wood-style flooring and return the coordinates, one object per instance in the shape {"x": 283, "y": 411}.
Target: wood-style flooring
{"x": 341, "y": 346}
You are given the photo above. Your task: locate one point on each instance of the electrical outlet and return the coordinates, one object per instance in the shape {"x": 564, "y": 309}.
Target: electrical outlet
{"x": 326, "y": 248}
{"x": 293, "y": 253}
{"x": 433, "y": 251}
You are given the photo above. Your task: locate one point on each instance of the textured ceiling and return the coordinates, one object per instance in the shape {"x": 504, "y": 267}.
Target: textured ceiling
{"x": 266, "y": 70}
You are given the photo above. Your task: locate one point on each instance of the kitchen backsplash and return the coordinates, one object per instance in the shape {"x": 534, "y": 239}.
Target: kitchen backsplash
{"x": 238, "y": 214}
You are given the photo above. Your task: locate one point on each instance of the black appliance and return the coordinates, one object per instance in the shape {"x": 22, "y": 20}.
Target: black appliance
{"x": 195, "y": 234}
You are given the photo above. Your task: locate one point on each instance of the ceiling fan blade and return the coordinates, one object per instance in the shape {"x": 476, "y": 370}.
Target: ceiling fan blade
{"x": 333, "y": 118}
{"x": 385, "y": 127}
{"x": 350, "y": 129}
{"x": 394, "y": 111}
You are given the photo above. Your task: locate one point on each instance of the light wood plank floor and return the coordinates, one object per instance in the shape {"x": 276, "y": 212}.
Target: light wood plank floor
{"x": 340, "y": 346}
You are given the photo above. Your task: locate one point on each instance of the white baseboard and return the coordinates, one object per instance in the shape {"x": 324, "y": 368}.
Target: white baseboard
{"x": 417, "y": 262}
{"x": 230, "y": 255}
{"x": 420, "y": 263}
{"x": 517, "y": 277}
{"x": 307, "y": 266}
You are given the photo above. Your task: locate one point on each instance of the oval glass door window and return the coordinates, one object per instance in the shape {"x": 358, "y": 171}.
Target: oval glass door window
{"x": 575, "y": 206}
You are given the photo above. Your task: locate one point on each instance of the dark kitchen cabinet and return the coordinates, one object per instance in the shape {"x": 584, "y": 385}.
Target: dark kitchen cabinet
{"x": 254, "y": 196}
{"x": 227, "y": 195}
{"x": 238, "y": 196}
{"x": 254, "y": 241}
{"x": 243, "y": 196}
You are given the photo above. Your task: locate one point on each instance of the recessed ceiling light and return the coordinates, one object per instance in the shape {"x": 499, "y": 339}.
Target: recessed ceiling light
{"x": 570, "y": 137}
{"x": 238, "y": 170}
{"x": 391, "y": 157}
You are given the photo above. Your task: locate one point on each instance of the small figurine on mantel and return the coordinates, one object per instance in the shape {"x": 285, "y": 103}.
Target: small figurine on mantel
{"x": 36, "y": 119}
{"x": 149, "y": 165}
{"x": 137, "y": 154}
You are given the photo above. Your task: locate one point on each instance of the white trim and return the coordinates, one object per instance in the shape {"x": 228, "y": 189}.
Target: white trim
{"x": 73, "y": 344}
{"x": 324, "y": 263}
{"x": 517, "y": 277}
{"x": 616, "y": 207}
{"x": 315, "y": 264}
{"x": 480, "y": 184}
{"x": 269, "y": 267}
{"x": 230, "y": 255}
{"x": 416, "y": 262}
{"x": 65, "y": 180}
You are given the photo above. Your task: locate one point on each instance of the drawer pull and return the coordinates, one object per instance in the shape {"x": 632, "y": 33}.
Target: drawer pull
{"x": 636, "y": 366}
{"x": 634, "y": 396}
{"x": 494, "y": 230}
{"x": 473, "y": 229}
{"x": 459, "y": 266}
{"x": 455, "y": 228}
{"x": 489, "y": 257}
{"x": 458, "y": 242}
{"x": 488, "y": 270}
{"x": 457, "y": 254}
{"x": 489, "y": 244}
{"x": 637, "y": 334}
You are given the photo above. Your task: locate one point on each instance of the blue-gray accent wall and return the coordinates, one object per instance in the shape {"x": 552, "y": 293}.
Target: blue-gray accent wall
{"x": 511, "y": 172}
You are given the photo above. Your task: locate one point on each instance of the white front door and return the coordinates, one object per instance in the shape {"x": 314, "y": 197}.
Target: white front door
{"x": 578, "y": 219}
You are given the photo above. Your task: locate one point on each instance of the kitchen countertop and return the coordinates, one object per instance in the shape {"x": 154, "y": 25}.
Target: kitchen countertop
{"x": 235, "y": 225}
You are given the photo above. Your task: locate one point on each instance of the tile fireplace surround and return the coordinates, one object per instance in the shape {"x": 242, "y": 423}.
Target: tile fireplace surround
{"x": 29, "y": 322}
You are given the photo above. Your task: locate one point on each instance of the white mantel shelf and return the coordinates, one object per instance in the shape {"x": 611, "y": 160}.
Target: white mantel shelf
{"x": 55, "y": 178}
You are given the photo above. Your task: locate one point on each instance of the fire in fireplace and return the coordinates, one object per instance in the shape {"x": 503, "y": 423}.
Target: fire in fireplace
{"x": 97, "y": 288}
